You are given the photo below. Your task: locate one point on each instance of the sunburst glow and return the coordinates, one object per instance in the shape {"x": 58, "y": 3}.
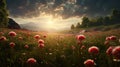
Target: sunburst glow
{"x": 49, "y": 22}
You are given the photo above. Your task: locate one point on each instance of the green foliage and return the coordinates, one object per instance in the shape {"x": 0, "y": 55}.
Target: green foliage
{"x": 106, "y": 20}
{"x": 114, "y": 18}
{"x": 72, "y": 26}
{"x": 3, "y": 14}
{"x": 85, "y": 21}
{"x": 78, "y": 25}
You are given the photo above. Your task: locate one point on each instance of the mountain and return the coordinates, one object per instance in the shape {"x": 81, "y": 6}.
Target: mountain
{"x": 13, "y": 24}
{"x": 36, "y": 27}
{"x": 31, "y": 26}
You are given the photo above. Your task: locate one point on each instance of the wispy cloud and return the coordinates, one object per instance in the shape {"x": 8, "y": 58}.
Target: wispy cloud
{"x": 64, "y": 8}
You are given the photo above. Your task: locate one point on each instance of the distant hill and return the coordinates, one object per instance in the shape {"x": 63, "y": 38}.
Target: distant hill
{"x": 30, "y": 26}
{"x": 13, "y": 24}
{"x": 36, "y": 27}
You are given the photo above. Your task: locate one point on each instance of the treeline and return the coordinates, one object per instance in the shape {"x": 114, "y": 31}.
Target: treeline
{"x": 3, "y": 14}
{"x": 113, "y": 18}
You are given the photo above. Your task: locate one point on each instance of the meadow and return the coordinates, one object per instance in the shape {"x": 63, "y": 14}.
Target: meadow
{"x": 57, "y": 49}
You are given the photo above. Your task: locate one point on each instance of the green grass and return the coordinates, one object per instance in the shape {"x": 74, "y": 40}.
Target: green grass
{"x": 58, "y": 50}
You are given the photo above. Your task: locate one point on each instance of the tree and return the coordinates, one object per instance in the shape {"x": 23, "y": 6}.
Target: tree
{"x": 85, "y": 22}
{"x": 78, "y": 25}
{"x": 72, "y": 27}
{"x": 3, "y": 14}
{"x": 115, "y": 17}
{"x": 106, "y": 20}
{"x": 99, "y": 21}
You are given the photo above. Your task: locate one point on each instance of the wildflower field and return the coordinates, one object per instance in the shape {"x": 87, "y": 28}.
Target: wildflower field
{"x": 20, "y": 48}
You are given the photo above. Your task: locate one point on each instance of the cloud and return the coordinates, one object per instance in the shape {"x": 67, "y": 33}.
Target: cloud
{"x": 64, "y": 8}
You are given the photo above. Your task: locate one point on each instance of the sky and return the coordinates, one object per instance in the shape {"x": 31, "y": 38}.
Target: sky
{"x": 58, "y": 14}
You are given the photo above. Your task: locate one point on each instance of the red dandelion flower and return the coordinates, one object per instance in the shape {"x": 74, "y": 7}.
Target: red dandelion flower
{"x": 41, "y": 45}
{"x": 44, "y": 36}
{"x": 73, "y": 47}
{"x": 31, "y": 61}
{"x": 113, "y": 38}
{"x": 93, "y": 50}
{"x": 109, "y": 50}
{"x": 40, "y": 41}
{"x": 20, "y": 38}
{"x": 82, "y": 47}
{"x": 12, "y": 33}
{"x": 3, "y": 38}
{"x": 80, "y": 37}
{"x": 37, "y": 36}
{"x": 108, "y": 38}
{"x": 1, "y": 33}
{"x": 26, "y": 46}
{"x": 12, "y": 44}
{"x": 116, "y": 52}
{"x": 89, "y": 63}
{"x": 106, "y": 42}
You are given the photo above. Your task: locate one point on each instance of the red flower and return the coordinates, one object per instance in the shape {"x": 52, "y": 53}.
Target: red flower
{"x": 3, "y": 38}
{"x": 113, "y": 38}
{"x": 108, "y": 38}
{"x": 80, "y": 37}
{"x": 12, "y": 33}
{"x": 41, "y": 45}
{"x": 109, "y": 50}
{"x": 41, "y": 41}
{"x": 37, "y": 36}
{"x": 44, "y": 36}
{"x": 1, "y": 33}
{"x": 20, "y": 38}
{"x": 12, "y": 44}
{"x": 106, "y": 42}
{"x": 31, "y": 61}
{"x": 116, "y": 52}
{"x": 93, "y": 50}
{"x": 89, "y": 63}
{"x": 82, "y": 47}
{"x": 73, "y": 47}
{"x": 26, "y": 46}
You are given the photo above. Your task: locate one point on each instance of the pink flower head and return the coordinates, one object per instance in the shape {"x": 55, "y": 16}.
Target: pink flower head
{"x": 1, "y": 33}
{"x": 12, "y": 33}
{"x": 106, "y": 42}
{"x": 12, "y": 44}
{"x": 73, "y": 47}
{"x": 20, "y": 38}
{"x": 3, "y": 38}
{"x": 93, "y": 50}
{"x": 44, "y": 36}
{"x": 109, "y": 50}
{"x": 113, "y": 38}
{"x": 82, "y": 47}
{"x": 40, "y": 41}
{"x": 89, "y": 63}
{"x": 31, "y": 61}
{"x": 108, "y": 38}
{"x": 41, "y": 45}
{"x": 116, "y": 52}
{"x": 80, "y": 37}
{"x": 37, "y": 36}
{"x": 26, "y": 46}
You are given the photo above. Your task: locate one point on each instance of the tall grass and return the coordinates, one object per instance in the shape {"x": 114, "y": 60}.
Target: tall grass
{"x": 58, "y": 50}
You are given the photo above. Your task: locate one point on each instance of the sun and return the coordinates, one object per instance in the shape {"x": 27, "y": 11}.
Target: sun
{"x": 50, "y": 22}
